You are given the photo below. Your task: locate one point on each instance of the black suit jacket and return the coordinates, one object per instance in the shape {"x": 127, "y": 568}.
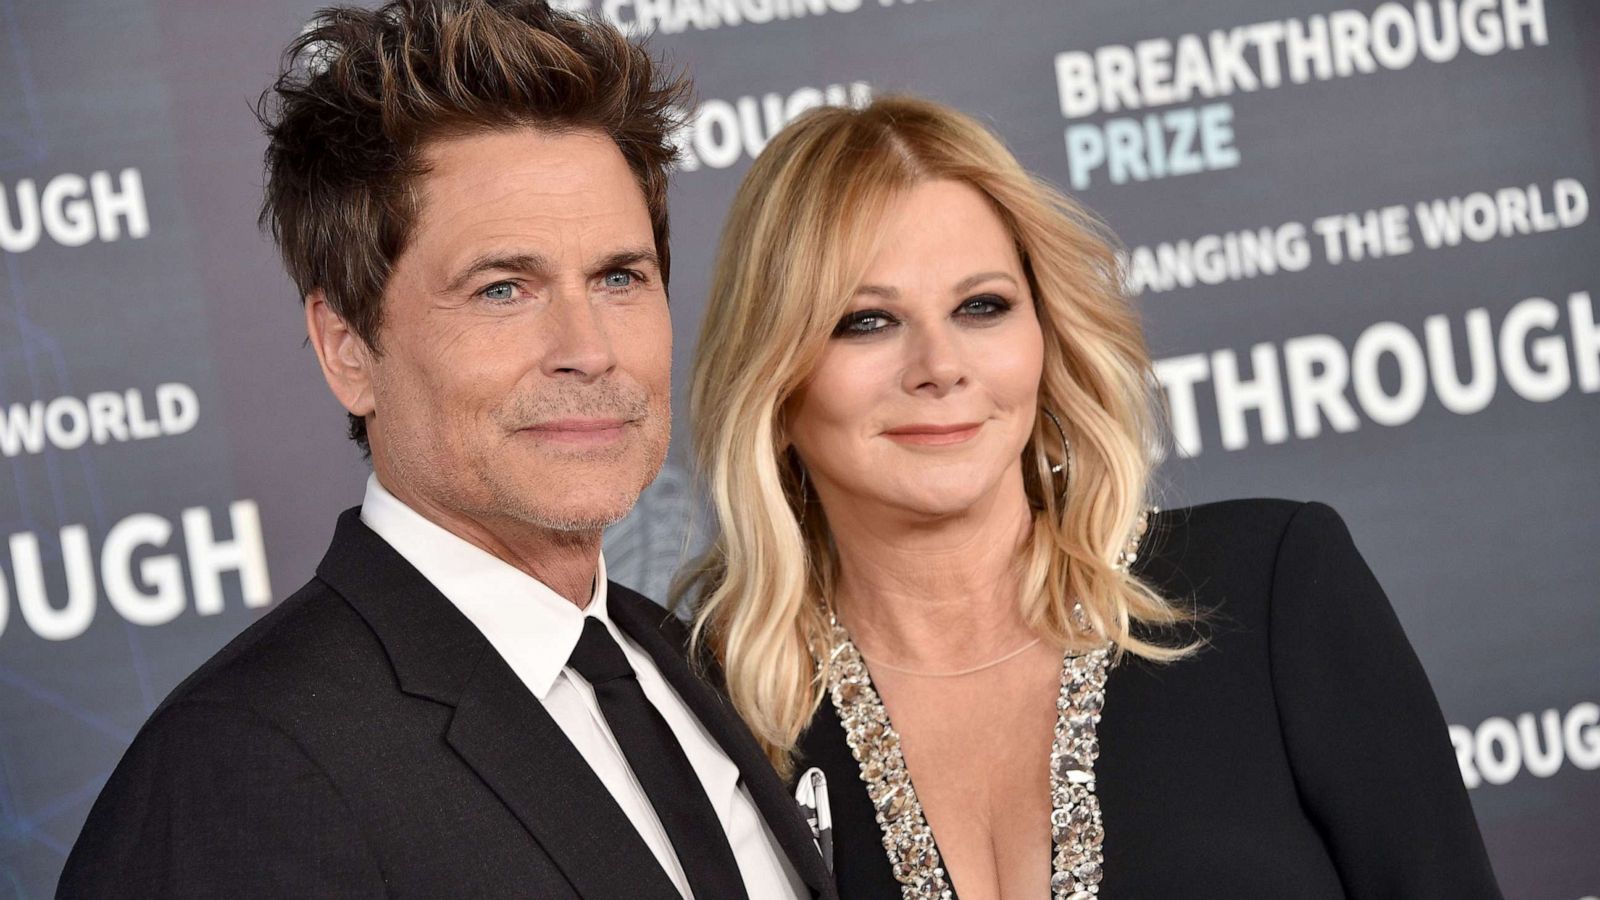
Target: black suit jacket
{"x": 365, "y": 740}
{"x": 1300, "y": 753}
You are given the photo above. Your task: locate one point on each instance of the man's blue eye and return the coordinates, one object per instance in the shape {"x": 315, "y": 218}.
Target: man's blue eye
{"x": 505, "y": 290}
{"x": 618, "y": 279}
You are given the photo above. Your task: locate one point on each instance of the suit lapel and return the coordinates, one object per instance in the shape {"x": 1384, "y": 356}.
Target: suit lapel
{"x": 643, "y": 620}
{"x": 521, "y": 753}
{"x": 499, "y": 728}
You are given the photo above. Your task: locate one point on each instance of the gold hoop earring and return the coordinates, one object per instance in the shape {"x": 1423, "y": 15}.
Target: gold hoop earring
{"x": 1066, "y": 452}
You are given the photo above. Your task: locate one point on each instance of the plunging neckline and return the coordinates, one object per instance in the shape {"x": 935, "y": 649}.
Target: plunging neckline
{"x": 914, "y": 857}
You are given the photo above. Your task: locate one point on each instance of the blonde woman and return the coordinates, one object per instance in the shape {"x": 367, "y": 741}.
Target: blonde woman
{"x": 923, "y": 410}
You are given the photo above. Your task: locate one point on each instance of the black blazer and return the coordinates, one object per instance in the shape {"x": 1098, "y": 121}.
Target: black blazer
{"x": 365, "y": 740}
{"x": 1299, "y": 754}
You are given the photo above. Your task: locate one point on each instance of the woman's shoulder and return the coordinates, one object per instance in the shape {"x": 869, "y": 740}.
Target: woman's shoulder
{"x": 1254, "y": 520}
{"x": 1232, "y": 553}
{"x": 1239, "y": 530}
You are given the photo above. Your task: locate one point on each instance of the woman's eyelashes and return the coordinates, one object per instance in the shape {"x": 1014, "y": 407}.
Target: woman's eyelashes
{"x": 980, "y": 310}
{"x": 984, "y": 307}
{"x": 864, "y": 321}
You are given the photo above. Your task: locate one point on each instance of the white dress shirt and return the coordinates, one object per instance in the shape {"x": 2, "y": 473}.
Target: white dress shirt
{"x": 535, "y": 630}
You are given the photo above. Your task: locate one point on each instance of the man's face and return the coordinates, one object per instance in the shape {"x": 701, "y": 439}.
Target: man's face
{"x": 525, "y": 355}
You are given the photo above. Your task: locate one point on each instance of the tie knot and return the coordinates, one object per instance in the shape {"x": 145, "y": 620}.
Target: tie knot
{"x": 597, "y": 657}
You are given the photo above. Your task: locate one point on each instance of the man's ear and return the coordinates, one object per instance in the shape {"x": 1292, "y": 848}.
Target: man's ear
{"x": 345, "y": 358}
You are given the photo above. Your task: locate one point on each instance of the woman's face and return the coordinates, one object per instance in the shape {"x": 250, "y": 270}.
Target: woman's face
{"x": 927, "y": 391}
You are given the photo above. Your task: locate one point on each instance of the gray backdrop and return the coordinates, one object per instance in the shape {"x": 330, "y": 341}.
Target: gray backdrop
{"x": 1288, "y": 177}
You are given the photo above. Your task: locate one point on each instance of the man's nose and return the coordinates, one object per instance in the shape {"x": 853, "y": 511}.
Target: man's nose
{"x": 578, "y": 344}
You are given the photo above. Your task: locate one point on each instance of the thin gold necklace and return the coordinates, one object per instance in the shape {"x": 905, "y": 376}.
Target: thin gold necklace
{"x": 880, "y": 664}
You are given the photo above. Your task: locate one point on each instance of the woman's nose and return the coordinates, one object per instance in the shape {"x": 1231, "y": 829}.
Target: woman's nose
{"x": 935, "y": 366}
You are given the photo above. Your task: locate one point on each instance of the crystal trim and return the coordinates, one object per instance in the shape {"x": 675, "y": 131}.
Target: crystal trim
{"x": 1077, "y": 833}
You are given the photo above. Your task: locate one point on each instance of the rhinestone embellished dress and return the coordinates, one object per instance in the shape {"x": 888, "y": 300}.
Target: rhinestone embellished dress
{"x": 1075, "y": 825}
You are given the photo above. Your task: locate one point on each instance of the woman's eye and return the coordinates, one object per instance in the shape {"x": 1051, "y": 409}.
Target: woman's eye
{"x": 984, "y": 307}
{"x": 620, "y": 279}
{"x": 500, "y": 292}
{"x": 866, "y": 321}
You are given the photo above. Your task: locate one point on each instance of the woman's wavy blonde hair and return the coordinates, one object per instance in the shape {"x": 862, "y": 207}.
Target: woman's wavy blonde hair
{"x": 802, "y": 230}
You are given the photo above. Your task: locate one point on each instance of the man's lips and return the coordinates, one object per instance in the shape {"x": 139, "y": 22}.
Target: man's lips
{"x": 579, "y": 431}
{"x": 930, "y": 434}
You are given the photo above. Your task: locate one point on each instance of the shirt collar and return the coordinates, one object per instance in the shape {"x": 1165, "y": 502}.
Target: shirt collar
{"x": 530, "y": 625}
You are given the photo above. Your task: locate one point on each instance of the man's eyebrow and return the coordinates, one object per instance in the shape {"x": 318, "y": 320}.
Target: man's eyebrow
{"x": 498, "y": 262}
{"x": 631, "y": 256}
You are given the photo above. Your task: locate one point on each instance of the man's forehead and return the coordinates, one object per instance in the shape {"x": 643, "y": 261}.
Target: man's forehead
{"x": 521, "y": 149}
{"x": 525, "y": 164}
{"x": 496, "y": 185}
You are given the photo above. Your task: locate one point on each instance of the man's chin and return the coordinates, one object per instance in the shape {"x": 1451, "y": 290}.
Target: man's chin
{"x": 578, "y": 521}
{"x": 550, "y": 508}
{"x": 578, "y": 492}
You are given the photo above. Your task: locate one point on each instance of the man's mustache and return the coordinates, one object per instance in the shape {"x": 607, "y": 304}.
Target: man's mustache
{"x": 587, "y": 402}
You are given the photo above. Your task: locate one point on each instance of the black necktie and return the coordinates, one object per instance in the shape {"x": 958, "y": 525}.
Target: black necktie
{"x": 658, "y": 761}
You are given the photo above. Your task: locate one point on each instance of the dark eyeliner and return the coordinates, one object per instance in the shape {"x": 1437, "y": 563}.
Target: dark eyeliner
{"x": 846, "y": 328}
{"x": 1000, "y": 305}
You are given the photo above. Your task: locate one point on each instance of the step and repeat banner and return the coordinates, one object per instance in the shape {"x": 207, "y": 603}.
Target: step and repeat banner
{"x": 1364, "y": 238}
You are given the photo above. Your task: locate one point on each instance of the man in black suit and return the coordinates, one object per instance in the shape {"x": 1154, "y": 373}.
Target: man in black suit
{"x": 471, "y": 198}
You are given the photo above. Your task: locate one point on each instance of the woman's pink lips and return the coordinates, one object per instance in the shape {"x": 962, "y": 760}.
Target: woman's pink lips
{"x": 933, "y": 435}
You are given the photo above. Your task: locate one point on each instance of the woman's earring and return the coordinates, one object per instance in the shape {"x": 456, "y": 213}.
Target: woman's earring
{"x": 1066, "y": 450}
